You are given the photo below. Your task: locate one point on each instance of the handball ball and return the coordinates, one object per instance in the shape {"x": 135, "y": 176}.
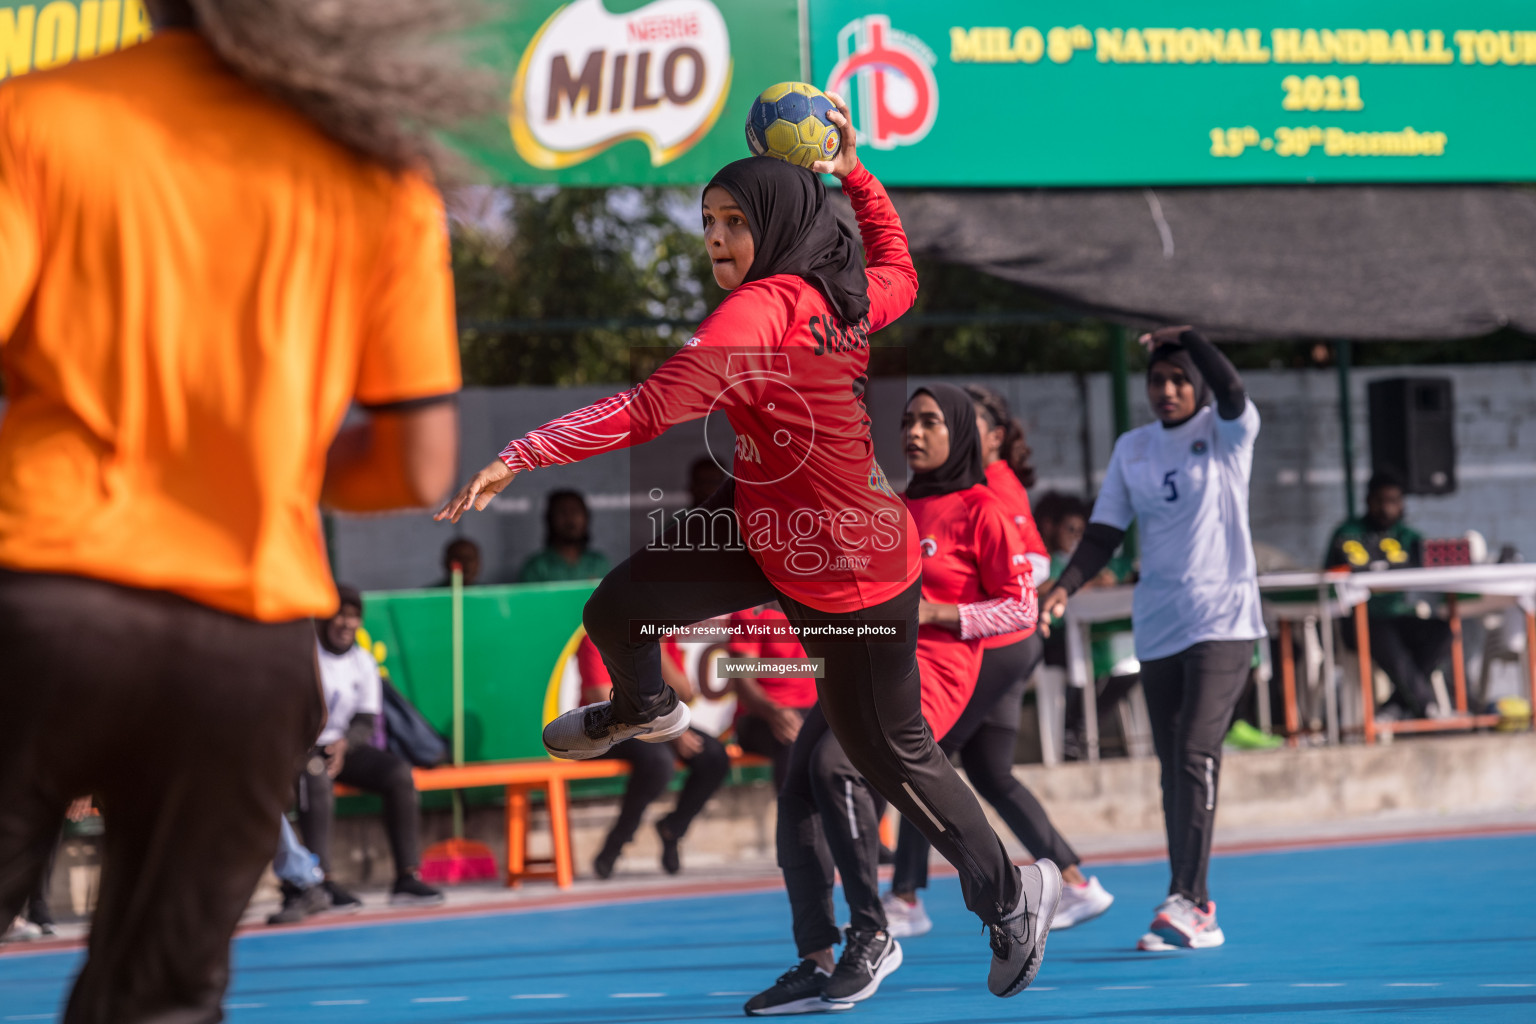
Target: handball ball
{"x": 789, "y": 121}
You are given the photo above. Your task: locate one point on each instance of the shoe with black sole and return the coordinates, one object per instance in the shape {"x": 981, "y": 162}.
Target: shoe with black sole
{"x": 1018, "y": 940}
{"x": 602, "y": 864}
{"x": 342, "y": 901}
{"x": 412, "y": 891}
{"x": 593, "y": 730}
{"x": 671, "y": 858}
{"x": 300, "y": 903}
{"x": 798, "y": 990}
{"x": 868, "y": 959}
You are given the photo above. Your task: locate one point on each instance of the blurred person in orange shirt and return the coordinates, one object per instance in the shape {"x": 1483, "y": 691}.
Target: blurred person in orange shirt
{"x": 212, "y": 244}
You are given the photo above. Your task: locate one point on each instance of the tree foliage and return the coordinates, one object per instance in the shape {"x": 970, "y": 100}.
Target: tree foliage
{"x": 552, "y": 282}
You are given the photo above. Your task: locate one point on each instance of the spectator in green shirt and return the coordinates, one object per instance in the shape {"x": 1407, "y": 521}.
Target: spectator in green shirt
{"x": 1405, "y": 647}
{"x": 566, "y": 554}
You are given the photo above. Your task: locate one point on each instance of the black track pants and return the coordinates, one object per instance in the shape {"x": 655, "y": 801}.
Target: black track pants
{"x": 869, "y": 695}
{"x": 1190, "y": 697}
{"x": 828, "y": 817}
{"x": 373, "y": 771}
{"x": 188, "y": 725}
{"x": 985, "y": 737}
{"x": 755, "y": 735}
{"x": 651, "y": 766}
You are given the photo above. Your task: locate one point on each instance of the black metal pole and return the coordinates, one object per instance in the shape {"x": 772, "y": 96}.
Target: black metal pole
{"x": 1343, "y": 351}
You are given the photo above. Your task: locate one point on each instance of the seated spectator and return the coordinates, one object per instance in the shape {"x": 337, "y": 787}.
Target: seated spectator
{"x": 301, "y": 879}
{"x": 651, "y": 765}
{"x": 769, "y": 709}
{"x": 704, "y": 478}
{"x": 1062, "y": 518}
{"x": 567, "y": 554}
{"x": 345, "y": 753}
{"x": 1405, "y": 647}
{"x": 36, "y": 917}
{"x": 466, "y": 553}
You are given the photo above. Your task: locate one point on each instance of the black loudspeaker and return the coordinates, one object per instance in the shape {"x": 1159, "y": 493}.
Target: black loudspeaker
{"x": 1412, "y": 435}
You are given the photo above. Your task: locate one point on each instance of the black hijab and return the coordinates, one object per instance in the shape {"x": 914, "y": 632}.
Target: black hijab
{"x": 963, "y": 468}
{"x": 1174, "y": 352}
{"x": 795, "y": 231}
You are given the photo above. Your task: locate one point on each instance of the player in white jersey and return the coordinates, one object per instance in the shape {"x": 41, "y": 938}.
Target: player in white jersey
{"x": 1196, "y": 614}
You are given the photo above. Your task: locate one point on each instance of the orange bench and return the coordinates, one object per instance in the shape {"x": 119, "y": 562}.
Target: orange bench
{"x": 522, "y": 778}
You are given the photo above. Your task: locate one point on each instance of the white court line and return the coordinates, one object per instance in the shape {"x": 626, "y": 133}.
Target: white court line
{"x": 1413, "y": 984}
{"x": 539, "y": 995}
{"x": 1034, "y": 988}
{"x": 32, "y": 1016}
{"x": 245, "y": 1006}
{"x": 339, "y": 1002}
{"x": 722, "y": 995}
{"x": 950, "y": 988}
{"x": 1317, "y": 984}
{"x": 1227, "y": 984}
{"x": 1122, "y": 988}
{"x": 637, "y": 995}
{"x": 441, "y": 999}
{"x": 1507, "y": 984}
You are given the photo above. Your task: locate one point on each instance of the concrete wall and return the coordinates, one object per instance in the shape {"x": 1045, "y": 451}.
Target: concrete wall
{"x": 1297, "y": 492}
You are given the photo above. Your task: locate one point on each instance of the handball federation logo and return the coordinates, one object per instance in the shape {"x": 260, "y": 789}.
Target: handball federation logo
{"x": 895, "y": 96}
{"x": 930, "y": 547}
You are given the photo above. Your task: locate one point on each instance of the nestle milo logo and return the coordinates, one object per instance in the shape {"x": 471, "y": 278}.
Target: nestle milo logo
{"x": 590, "y": 79}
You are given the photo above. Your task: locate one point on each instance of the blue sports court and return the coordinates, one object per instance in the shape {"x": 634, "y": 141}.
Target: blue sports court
{"x": 1435, "y": 930}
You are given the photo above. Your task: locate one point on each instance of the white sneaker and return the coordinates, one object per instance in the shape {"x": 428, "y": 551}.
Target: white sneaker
{"x": 1081, "y": 903}
{"x": 905, "y": 920}
{"x": 592, "y": 731}
{"x": 1180, "y": 924}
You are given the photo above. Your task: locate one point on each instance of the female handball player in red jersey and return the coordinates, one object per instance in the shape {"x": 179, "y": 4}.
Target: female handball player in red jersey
{"x": 811, "y": 521}
{"x": 987, "y": 731}
{"x": 975, "y": 583}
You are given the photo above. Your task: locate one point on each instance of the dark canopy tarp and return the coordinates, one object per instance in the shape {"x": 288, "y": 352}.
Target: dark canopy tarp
{"x": 1362, "y": 262}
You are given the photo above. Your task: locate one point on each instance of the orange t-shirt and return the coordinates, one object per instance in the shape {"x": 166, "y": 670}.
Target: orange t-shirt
{"x": 195, "y": 284}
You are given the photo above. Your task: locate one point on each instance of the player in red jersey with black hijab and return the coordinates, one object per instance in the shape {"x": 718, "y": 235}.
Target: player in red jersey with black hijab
{"x": 976, "y": 582}
{"x": 806, "y": 519}
{"x": 988, "y": 729}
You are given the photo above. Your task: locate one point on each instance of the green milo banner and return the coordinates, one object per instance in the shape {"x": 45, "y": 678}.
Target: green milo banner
{"x": 519, "y": 664}
{"x": 603, "y": 92}
{"x": 999, "y": 93}
{"x": 619, "y": 92}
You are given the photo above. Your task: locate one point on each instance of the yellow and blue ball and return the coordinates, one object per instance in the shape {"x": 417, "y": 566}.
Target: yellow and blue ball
{"x": 789, "y": 121}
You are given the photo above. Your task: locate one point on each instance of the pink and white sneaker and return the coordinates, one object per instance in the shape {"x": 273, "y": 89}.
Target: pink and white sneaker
{"x": 1081, "y": 903}
{"x": 1180, "y": 924}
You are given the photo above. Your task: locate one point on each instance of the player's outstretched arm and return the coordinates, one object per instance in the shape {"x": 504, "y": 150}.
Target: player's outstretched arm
{"x": 477, "y": 494}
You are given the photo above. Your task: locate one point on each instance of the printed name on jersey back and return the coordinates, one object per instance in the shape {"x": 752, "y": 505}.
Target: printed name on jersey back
{"x": 834, "y": 335}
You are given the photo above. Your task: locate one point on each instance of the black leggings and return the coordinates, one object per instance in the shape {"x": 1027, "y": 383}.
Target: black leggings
{"x": 869, "y": 695}
{"x": 651, "y": 766}
{"x": 374, "y": 771}
{"x": 985, "y": 736}
{"x": 1190, "y": 698}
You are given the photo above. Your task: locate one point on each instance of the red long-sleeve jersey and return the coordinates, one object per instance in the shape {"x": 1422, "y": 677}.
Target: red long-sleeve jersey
{"x": 1015, "y": 499}
{"x": 973, "y": 557}
{"x": 815, "y": 509}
